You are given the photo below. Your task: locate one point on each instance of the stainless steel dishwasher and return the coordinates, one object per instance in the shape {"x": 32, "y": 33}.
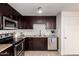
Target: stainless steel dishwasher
{"x": 52, "y": 42}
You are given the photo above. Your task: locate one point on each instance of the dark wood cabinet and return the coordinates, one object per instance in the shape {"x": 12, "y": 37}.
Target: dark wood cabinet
{"x": 28, "y": 21}
{"x": 18, "y": 19}
{"x": 51, "y": 22}
{"x": 26, "y": 44}
{"x": 39, "y": 43}
{"x": 36, "y": 44}
{"x": 8, "y": 52}
{"x": 8, "y": 11}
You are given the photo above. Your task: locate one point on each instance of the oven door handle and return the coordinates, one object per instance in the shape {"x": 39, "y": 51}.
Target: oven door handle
{"x": 19, "y": 43}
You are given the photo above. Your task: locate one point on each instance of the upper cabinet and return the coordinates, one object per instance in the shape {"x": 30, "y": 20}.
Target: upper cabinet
{"x": 51, "y": 22}
{"x": 8, "y": 11}
{"x": 28, "y": 21}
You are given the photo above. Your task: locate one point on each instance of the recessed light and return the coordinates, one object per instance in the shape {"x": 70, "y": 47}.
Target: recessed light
{"x": 40, "y": 11}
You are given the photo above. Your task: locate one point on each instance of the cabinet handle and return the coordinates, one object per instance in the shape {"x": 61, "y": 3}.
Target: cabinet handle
{"x": 65, "y": 37}
{"x": 51, "y": 40}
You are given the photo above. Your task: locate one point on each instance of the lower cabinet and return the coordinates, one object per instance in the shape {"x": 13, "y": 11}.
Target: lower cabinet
{"x": 36, "y": 44}
{"x": 7, "y": 52}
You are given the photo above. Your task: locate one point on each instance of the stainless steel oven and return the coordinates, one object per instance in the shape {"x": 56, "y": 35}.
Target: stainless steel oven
{"x": 9, "y": 23}
{"x": 19, "y": 48}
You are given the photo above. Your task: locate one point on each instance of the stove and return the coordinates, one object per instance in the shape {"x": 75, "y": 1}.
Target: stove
{"x": 18, "y": 43}
{"x": 6, "y": 38}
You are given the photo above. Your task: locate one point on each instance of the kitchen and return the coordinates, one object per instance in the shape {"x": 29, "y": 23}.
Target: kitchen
{"x": 34, "y": 29}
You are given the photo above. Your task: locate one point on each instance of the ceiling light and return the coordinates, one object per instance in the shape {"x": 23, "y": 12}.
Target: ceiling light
{"x": 40, "y": 10}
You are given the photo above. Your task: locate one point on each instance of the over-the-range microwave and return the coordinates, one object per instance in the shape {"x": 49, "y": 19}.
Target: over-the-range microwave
{"x": 7, "y": 23}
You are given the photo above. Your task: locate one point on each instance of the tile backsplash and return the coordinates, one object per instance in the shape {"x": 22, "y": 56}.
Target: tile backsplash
{"x": 38, "y": 29}
{"x": 27, "y": 31}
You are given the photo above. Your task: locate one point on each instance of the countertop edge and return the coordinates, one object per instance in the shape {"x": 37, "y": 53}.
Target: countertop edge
{"x": 6, "y": 46}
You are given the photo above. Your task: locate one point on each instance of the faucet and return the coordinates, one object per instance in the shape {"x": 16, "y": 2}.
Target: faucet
{"x": 40, "y": 32}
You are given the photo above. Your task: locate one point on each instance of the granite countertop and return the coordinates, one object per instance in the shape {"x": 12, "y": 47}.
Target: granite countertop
{"x": 4, "y": 46}
{"x": 41, "y": 36}
{"x": 31, "y": 36}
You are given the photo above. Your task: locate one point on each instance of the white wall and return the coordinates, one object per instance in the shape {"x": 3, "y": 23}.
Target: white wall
{"x": 58, "y": 30}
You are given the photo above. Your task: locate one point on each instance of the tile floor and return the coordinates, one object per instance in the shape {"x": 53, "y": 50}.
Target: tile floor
{"x": 42, "y": 53}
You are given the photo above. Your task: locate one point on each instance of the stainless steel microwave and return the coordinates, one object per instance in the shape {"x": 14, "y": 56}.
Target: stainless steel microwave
{"x": 8, "y": 23}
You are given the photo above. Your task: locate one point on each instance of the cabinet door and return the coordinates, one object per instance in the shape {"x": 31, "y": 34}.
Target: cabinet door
{"x": 30, "y": 47}
{"x": 26, "y": 44}
{"x": 51, "y": 22}
{"x": 38, "y": 44}
{"x": 19, "y": 22}
{"x": 1, "y": 22}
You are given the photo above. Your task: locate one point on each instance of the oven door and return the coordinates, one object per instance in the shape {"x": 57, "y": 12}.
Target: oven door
{"x": 19, "y": 49}
{"x": 9, "y": 23}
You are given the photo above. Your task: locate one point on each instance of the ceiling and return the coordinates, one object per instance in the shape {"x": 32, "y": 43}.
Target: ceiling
{"x": 49, "y": 9}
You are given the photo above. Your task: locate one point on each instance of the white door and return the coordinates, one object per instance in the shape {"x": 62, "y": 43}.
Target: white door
{"x": 71, "y": 35}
